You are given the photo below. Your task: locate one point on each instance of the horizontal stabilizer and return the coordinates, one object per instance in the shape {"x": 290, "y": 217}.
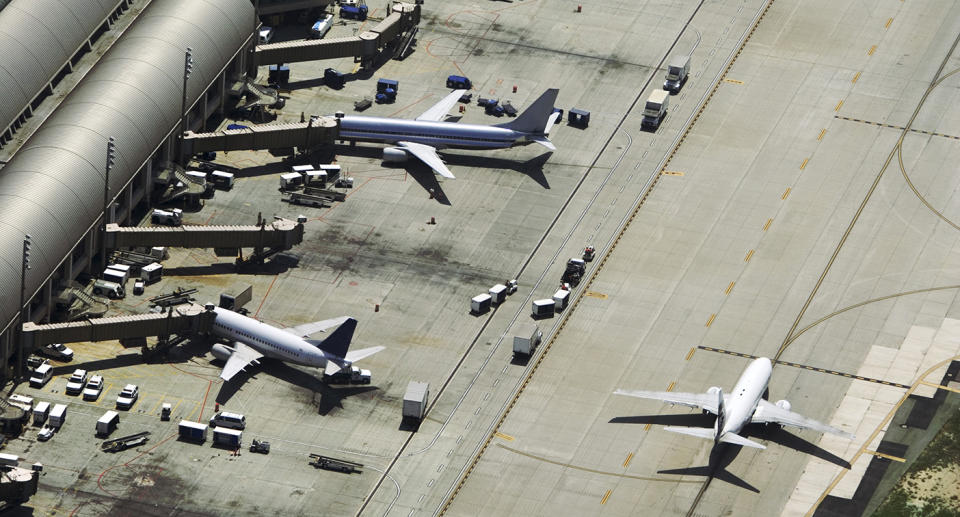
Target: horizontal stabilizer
{"x": 739, "y": 440}
{"x": 544, "y": 141}
{"x": 700, "y": 432}
{"x": 356, "y": 355}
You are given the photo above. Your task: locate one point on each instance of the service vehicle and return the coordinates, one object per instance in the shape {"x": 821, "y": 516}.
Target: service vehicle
{"x": 41, "y": 412}
{"x": 353, "y": 375}
{"x": 588, "y": 253}
{"x": 192, "y": 431}
{"x": 58, "y": 415}
{"x": 45, "y": 433}
{"x": 109, "y": 289}
{"x": 655, "y": 109}
{"x": 107, "y": 423}
{"x": 226, "y": 437}
{"x": 415, "y": 400}
{"x": 152, "y": 272}
{"x": 138, "y": 287}
{"x": 56, "y": 351}
{"x": 128, "y": 397}
{"x": 526, "y": 340}
{"x": 168, "y": 217}
{"x": 260, "y": 446}
{"x": 677, "y": 72}
{"x": 321, "y": 27}
{"x": 94, "y": 388}
{"x": 576, "y": 267}
{"x": 230, "y": 420}
{"x": 266, "y": 34}
{"x": 76, "y": 381}
{"x": 41, "y": 376}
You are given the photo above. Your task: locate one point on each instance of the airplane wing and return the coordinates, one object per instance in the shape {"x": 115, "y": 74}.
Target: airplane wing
{"x": 242, "y": 356}
{"x": 767, "y": 413}
{"x": 427, "y": 155}
{"x": 307, "y": 329}
{"x": 440, "y": 109}
{"x": 706, "y": 401}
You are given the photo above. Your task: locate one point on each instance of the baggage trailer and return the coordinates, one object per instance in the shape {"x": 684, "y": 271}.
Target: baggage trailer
{"x": 231, "y": 438}
{"x": 480, "y": 303}
{"x": 543, "y": 308}
{"x": 126, "y": 442}
{"x": 192, "y": 431}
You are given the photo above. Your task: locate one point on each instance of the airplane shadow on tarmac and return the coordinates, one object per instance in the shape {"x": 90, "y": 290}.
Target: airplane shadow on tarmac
{"x": 723, "y": 454}
{"x": 427, "y": 179}
{"x": 329, "y": 397}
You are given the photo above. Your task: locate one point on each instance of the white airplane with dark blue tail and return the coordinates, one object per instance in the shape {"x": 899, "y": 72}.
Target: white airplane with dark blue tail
{"x": 745, "y": 405}
{"x": 252, "y": 340}
{"x": 422, "y": 136}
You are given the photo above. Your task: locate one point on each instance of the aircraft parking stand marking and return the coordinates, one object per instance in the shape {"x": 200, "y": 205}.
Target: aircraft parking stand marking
{"x": 892, "y": 126}
{"x": 811, "y": 368}
{"x": 887, "y": 456}
{"x": 940, "y": 386}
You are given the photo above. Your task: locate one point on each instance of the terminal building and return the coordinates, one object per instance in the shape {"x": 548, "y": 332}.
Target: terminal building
{"x": 55, "y": 187}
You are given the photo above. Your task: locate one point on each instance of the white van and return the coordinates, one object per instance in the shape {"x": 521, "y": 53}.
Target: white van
{"x": 41, "y": 376}
{"x": 231, "y": 420}
{"x": 108, "y": 289}
{"x": 41, "y": 412}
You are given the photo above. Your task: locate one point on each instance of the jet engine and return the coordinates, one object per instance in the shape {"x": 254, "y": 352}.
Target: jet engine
{"x": 221, "y": 351}
{"x": 783, "y": 404}
{"x": 394, "y": 155}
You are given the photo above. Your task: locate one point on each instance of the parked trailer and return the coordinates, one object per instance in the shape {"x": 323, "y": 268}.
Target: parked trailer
{"x": 192, "y": 431}
{"x": 126, "y": 442}
{"x": 544, "y": 307}
{"x": 498, "y": 293}
{"x": 300, "y": 198}
{"x": 40, "y": 413}
{"x": 415, "y": 400}
{"x": 107, "y": 423}
{"x": 527, "y": 338}
{"x": 152, "y": 272}
{"x": 480, "y": 304}
{"x": 560, "y": 298}
{"x": 328, "y": 463}
{"x": 227, "y": 437}
{"x": 58, "y": 415}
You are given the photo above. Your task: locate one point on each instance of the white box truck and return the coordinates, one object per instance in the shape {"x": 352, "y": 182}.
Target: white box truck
{"x": 560, "y": 298}
{"x": 107, "y": 423}
{"x": 544, "y": 307}
{"x": 527, "y": 338}
{"x": 415, "y": 400}
{"x": 58, "y": 415}
{"x": 677, "y": 72}
{"x": 655, "y": 109}
{"x": 480, "y": 304}
{"x": 498, "y": 293}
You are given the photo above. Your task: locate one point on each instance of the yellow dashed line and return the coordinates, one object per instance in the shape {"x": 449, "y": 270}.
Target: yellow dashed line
{"x": 855, "y": 78}
{"x": 690, "y": 353}
{"x": 887, "y": 456}
{"x": 749, "y": 256}
{"x": 729, "y": 288}
{"x": 887, "y": 25}
{"x": 822, "y": 132}
{"x": 710, "y": 321}
{"x": 503, "y": 436}
{"x": 838, "y": 105}
{"x": 670, "y": 387}
{"x": 605, "y": 497}
{"x": 626, "y": 462}
{"x": 672, "y": 173}
{"x": 767, "y": 226}
{"x": 732, "y": 81}
{"x": 646, "y": 427}
{"x": 805, "y": 161}
{"x": 786, "y": 193}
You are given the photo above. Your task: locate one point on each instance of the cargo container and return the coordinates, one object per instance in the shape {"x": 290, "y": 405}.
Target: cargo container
{"x": 290, "y": 180}
{"x": 58, "y": 415}
{"x": 108, "y": 423}
{"x": 498, "y": 293}
{"x": 300, "y": 169}
{"x": 152, "y": 272}
{"x": 333, "y": 170}
{"x": 527, "y": 338}
{"x": 415, "y": 400}
{"x": 192, "y": 431}
{"x": 115, "y": 276}
{"x": 545, "y": 307}
{"x": 41, "y": 412}
{"x": 231, "y": 438}
{"x": 222, "y": 180}
{"x": 560, "y": 298}
{"x": 480, "y": 304}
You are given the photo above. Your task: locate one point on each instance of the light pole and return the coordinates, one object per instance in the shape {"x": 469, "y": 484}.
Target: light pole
{"x": 187, "y": 69}
{"x": 25, "y": 266}
{"x": 111, "y": 158}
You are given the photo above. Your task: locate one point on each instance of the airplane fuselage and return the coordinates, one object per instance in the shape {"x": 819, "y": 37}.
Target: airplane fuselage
{"x": 267, "y": 339}
{"x": 743, "y": 400}
{"x": 435, "y": 134}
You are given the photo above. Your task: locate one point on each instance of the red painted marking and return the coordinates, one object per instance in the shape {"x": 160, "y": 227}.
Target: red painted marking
{"x": 265, "y": 296}
{"x": 205, "y": 395}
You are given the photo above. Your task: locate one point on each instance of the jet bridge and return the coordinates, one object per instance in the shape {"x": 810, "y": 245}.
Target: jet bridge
{"x": 280, "y": 234}
{"x": 364, "y": 47}
{"x": 186, "y": 319}
{"x": 316, "y": 132}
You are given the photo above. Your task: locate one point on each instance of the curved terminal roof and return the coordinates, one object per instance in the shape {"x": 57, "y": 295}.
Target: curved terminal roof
{"x": 52, "y": 189}
{"x": 38, "y": 37}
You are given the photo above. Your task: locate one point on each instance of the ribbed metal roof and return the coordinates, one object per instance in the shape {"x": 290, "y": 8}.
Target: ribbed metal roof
{"x": 52, "y": 189}
{"x": 37, "y": 38}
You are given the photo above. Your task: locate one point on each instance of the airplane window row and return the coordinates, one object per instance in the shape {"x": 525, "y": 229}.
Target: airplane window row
{"x": 423, "y": 135}
{"x": 262, "y": 342}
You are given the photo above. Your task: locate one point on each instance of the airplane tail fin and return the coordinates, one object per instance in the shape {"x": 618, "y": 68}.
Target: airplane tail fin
{"x": 538, "y": 117}
{"x": 338, "y": 342}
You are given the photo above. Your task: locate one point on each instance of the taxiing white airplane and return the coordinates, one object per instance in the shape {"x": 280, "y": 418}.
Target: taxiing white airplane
{"x": 422, "y": 136}
{"x": 252, "y": 340}
{"x": 734, "y": 411}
